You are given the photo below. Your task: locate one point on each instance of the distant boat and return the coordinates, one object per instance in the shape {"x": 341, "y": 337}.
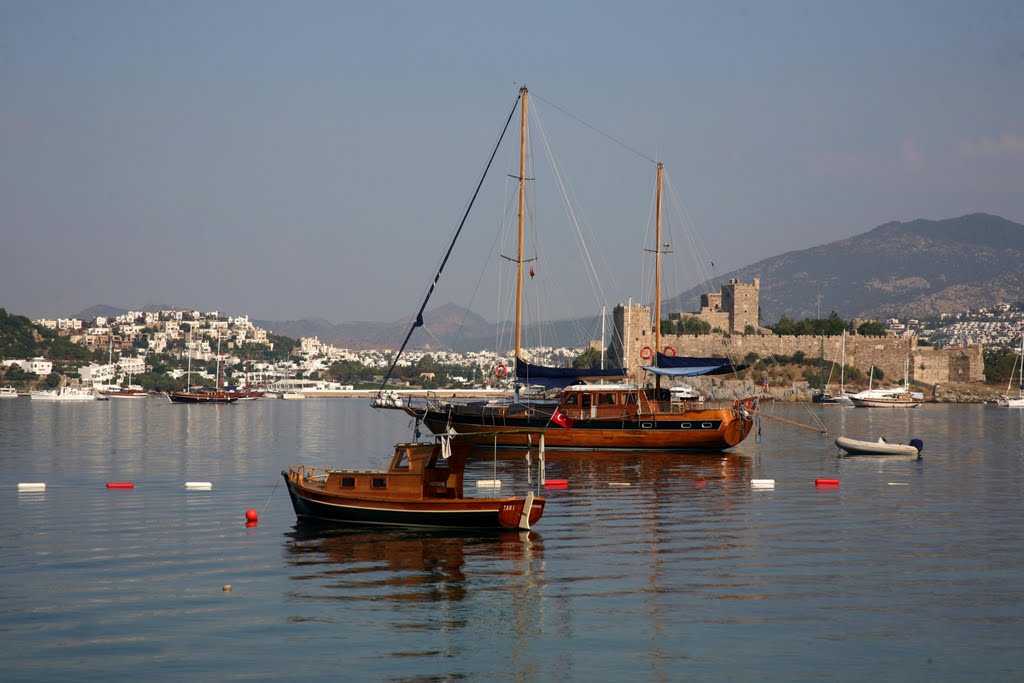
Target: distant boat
{"x": 897, "y": 397}
{"x": 133, "y": 391}
{"x": 1017, "y": 401}
{"x": 825, "y": 397}
{"x": 887, "y": 398}
{"x": 8, "y": 392}
{"x": 422, "y": 487}
{"x": 880, "y": 447}
{"x": 64, "y": 393}
{"x": 201, "y": 395}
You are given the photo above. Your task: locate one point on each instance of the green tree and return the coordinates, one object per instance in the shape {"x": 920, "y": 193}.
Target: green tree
{"x": 689, "y": 324}
{"x": 872, "y": 328}
{"x": 590, "y": 358}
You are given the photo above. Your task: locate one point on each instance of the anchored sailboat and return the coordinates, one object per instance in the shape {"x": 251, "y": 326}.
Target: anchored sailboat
{"x": 1008, "y": 401}
{"x": 594, "y": 408}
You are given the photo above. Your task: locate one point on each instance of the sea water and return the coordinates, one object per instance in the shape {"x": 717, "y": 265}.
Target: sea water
{"x": 648, "y": 566}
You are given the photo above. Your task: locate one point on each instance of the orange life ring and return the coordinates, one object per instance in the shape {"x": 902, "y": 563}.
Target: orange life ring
{"x": 500, "y": 370}
{"x": 646, "y": 352}
{"x": 669, "y": 351}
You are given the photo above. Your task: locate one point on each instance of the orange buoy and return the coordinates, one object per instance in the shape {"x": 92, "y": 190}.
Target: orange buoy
{"x": 120, "y": 485}
{"x": 251, "y": 516}
{"x": 826, "y": 482}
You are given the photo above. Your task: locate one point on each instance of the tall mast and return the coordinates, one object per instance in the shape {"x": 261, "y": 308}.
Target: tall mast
{"x": 522, "y": 204}
{"x": 657, "y": 277}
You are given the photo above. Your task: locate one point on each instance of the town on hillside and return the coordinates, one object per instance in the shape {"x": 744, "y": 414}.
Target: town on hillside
{"x": 157, "y": 350}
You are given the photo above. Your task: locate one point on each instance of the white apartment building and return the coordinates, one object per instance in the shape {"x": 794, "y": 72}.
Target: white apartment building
{"x": 40, "y": 366}
{"x": 98, "y": 374}
{"x": 132, "y": 365}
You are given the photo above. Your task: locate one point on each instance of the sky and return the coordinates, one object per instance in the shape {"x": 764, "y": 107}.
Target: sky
{"x": 312, "y": 159}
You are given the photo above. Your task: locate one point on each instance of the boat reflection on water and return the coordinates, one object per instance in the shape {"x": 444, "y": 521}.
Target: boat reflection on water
{"x": 407, "y": 565}
{"x": 657, "y": 469}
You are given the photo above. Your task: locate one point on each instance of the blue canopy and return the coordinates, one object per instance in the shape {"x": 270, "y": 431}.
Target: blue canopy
{"x": 559, "y": 378}
{"x": 690, "y": 366}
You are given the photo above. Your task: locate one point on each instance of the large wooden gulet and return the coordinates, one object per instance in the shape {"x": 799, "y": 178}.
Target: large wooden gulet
{"x": 590, "y": 409}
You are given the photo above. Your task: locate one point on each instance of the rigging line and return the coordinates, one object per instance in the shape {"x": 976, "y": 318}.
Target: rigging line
{"x": 596, "y": 130}
{"x": 418, "y": 322}
{"x": 697, "y": 248}
{"x": 566, "y": 194}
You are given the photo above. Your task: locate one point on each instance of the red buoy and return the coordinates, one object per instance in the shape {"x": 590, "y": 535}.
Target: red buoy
{"x": 251, "y": 516}
{"x": 556, "y": 483}
{"x": 120, "y": 485}
{"x": 826, "y": 482}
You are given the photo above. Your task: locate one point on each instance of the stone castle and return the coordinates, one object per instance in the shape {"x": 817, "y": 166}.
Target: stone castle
{"x": 733, "y": 313}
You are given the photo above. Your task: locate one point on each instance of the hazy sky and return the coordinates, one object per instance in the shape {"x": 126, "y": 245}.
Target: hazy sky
{"x": 293, "y": 159}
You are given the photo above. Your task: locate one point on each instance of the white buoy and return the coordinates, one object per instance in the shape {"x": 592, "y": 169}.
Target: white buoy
{"x": 898, "y": 483}
{"x": 619, "y": 483}
{"x": 199, "y": 485}
{"x": 489, "y": 483}
{"x": 31, "y": 486}
{"x": 762, "y": 483}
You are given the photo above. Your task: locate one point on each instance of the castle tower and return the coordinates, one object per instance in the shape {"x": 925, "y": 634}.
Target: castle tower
{"x": 633, "y": 331}
{"x": 742, "y": 302}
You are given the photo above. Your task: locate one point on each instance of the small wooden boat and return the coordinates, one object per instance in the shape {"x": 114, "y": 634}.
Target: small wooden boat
{"x": 422, "y": 487}
{"x": 880, "y": 447}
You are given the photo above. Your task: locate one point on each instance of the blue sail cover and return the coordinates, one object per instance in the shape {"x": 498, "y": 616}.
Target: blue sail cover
{"x": 689, "y": 366}
{"x": 559, "y": 378}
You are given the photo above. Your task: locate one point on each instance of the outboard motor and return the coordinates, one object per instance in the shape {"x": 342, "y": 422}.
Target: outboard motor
{"x": 918, "y": 444}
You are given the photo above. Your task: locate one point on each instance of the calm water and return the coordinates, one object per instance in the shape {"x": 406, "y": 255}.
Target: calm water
{"x": 908, "y": 571}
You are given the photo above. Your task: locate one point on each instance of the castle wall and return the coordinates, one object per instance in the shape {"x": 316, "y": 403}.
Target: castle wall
{"x": 927, "y": 365}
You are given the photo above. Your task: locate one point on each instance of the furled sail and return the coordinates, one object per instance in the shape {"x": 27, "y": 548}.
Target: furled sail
{"x": 690, "y": 366}
{"x": 559, "y": 378}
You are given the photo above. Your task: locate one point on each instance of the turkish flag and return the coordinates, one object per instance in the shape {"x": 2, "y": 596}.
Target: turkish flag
{"x": 561, "y": 419}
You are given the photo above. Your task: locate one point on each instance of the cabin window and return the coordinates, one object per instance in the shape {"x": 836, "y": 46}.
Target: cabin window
{"x": 379, "y": 483}
{"x": 631, "y": 399}
{"x": 606, "y": 399}
{"x": 348, "y": 482}
{"x": 586, "y": 400}
{"x": 403, "y": 461}
{"x": 572, "y": 400}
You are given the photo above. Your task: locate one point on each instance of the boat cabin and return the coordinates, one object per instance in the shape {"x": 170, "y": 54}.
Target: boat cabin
{"x": 417, "y": 471}
{"x": 617, "y": 401}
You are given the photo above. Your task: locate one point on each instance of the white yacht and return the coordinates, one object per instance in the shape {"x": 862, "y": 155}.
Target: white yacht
{"x": 64, "y": 393}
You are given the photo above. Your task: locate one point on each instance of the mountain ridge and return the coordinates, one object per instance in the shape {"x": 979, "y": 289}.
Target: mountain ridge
{"x": 898, "y": 269}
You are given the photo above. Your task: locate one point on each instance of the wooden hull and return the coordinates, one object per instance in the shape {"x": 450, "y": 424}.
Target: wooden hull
{"x": 691, "y": 430}
{"x": 460, "y": 513}
{"x": 124, "y": 394}
{"x": 199, "y": 397}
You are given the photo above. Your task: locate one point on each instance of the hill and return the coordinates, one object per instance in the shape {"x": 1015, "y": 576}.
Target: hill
{"x": 916, "y": 269}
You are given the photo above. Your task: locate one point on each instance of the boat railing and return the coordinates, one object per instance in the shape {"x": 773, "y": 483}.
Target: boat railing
{"x": 300, "y": 473}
